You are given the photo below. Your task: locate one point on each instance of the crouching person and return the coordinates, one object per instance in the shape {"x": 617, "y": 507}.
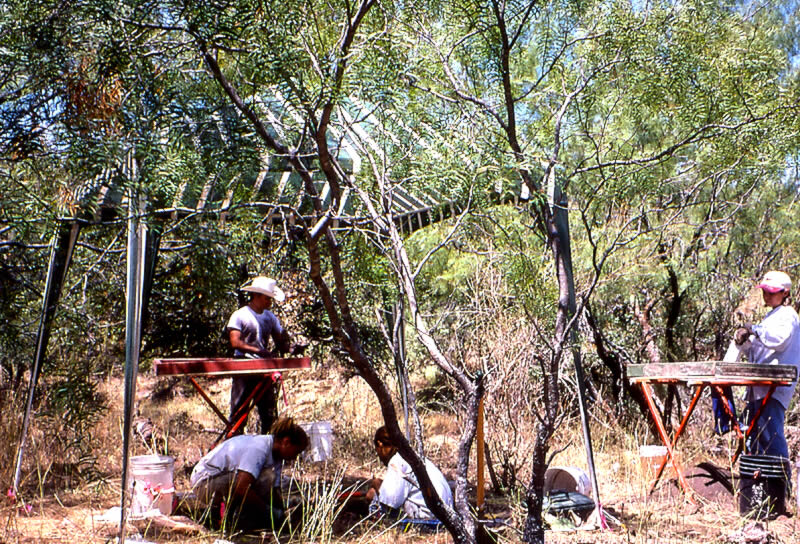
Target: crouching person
{"x": 242, "y": 476}
{"x": 398, "y": 492}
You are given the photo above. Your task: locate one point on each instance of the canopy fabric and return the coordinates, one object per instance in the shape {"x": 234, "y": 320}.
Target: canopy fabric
{"x": 273, "y": 184}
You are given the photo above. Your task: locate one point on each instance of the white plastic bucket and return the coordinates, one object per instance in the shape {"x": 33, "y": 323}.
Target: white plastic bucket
{"x": 320, "y": 441}
{"x": 651, "y": 457}
{"x": 151, "y": 484}
{"x": 567, "y": 479}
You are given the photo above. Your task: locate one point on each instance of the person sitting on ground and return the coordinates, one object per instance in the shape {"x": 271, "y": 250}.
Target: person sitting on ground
{"x": 399, "y": 491}
{"x": 244, "y": 473}
{"x": 776, "y": 340}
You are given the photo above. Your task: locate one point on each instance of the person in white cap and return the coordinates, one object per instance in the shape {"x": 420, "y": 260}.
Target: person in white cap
{"x": 249, "y": 331}
{"x": 776, "y": 340}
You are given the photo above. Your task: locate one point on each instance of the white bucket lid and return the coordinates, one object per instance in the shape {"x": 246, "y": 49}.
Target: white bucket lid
{"x": 152, "y": 462}
{"x": 652, "y": 451}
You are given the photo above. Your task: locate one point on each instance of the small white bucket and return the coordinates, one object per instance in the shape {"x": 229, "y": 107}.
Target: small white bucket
{"x": 651, "y": 457}
{"x": 567, "y": 479}
{"x": 320, "y": 438}
{"x": 151, "y": 484}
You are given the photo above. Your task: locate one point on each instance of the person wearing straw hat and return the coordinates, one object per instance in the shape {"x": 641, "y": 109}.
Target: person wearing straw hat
{"x": 244, "y": 474}
{"x": 776, "y": 340}
{"x": 249, "y": 331}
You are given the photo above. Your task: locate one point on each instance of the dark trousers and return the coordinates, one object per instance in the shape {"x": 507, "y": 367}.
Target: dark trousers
{"x": 267, "y": 407}
{"x": 768, "y": 436}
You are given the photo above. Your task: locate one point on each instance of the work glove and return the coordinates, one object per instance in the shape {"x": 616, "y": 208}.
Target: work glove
{"x": 742, "y": 334}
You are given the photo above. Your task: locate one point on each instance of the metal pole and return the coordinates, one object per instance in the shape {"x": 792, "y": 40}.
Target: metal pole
{"x": 137, "y": 234}
{"x": 561, "y": 218}
{"x": 60, "y": 257}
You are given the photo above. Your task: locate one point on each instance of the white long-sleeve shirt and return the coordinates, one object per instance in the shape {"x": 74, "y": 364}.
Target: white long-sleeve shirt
{"x": 401, "y": 490}
{"x": 776, "y": 341}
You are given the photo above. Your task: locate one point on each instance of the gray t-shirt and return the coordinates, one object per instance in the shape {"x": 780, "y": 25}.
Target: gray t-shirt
{"x": 251, "y": 453}
{"x": 255, "y": 328}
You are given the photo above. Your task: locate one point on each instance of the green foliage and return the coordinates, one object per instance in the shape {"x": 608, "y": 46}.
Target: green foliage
{"x": 496, "y": 241}
{"x": 192, "y": 295}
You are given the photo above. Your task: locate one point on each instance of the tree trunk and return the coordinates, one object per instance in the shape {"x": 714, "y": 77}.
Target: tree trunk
{"x": 533, "y": 532}
{"x": 534, "y": 499}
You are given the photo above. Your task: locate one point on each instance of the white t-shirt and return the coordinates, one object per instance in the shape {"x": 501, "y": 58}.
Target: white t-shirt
{"x": 401, "y": 490}
{"x": 777, "y": 341}
{"x": 255, "y": 328}
{"x": 250, "y": 453}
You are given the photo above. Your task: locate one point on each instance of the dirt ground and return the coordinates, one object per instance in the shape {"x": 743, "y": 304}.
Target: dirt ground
{"x": 78, "y": 518}
{"x": 181, "y": 426}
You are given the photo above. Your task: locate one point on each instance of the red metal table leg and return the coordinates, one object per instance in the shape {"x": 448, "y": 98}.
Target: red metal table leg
{"x": 725, "y": 405}
{"x": 735, "y": 422}
{"x": 753, "y": 421}
{"x": 209, "y": 401}
{"x": 244, "y": 409}
{"x": 665, "y": 439}
{"x": 696, "y": 397}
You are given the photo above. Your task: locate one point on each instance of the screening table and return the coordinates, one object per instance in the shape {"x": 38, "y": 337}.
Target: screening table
{"x": 700, "y": 375}
{"x": 269, "y": 369}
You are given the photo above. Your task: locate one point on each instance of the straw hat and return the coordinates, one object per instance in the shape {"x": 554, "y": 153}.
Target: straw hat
{"x": 265, "y": 286}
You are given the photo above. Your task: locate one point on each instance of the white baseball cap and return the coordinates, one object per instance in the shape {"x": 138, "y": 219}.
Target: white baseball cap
{"x": 265, "y": 286}
{"x": 775, "y": 281}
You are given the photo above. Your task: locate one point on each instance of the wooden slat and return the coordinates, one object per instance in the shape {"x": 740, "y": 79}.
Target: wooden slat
{"x": 713, "y": 370}
{"x": 226, "y": 366}
{"x": 788, "y": 372}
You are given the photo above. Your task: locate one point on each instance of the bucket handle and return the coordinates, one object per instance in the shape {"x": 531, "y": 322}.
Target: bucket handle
{"x": 155, "y": 490}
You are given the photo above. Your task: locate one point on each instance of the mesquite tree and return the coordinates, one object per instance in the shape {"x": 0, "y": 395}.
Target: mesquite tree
{"x": 574, "y": 94}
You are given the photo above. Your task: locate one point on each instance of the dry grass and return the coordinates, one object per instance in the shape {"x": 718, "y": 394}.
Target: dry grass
{"x": 182, "y": 428}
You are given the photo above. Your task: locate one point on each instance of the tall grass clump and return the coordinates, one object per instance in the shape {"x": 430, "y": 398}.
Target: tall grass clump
{"x": 11, "y": 406}
{"x": 320, "y": 504}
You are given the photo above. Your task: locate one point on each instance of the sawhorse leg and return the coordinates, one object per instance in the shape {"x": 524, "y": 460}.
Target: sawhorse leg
{"x": 752, "y": 425}
{"x": 233, "y": 424}
{"x": 681, "y": 427}
{"x": 726, "y": 402}
{"x": 648, "y": 395}
{"x": 238, "y": 419}
{"x": 209, "y": 401}
{"x": 726, "y": 405}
